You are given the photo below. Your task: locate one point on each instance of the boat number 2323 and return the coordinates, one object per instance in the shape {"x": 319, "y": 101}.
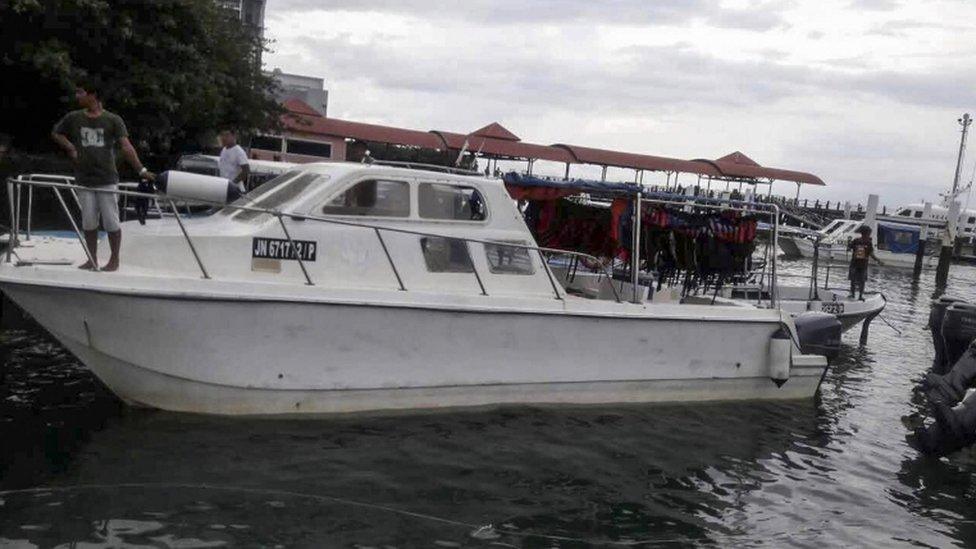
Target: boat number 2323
{"x": 832, "y": 308}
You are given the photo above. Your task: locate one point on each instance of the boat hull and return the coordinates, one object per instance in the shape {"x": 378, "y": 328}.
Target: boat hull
{"x": 837, "y": 253}
{"x": 217, "y": 356}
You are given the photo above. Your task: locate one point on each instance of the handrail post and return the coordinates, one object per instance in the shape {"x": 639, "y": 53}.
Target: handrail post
{"x": 74, "y": 193}
{"x": 298, "y": 256}
{"x": 30, "y": 208}
{"x": 774, "y": 283}
{"x": 474, "y": 269}
{"x": 189, "y": 241}
{"x": 16, "y": 227}
{"x": 552, "y": 281}
{"x": 636, "y": 242}
{"x": 390, "y": 259}
{"x": 10, "y": 203}
{"x": 81, "y": 237}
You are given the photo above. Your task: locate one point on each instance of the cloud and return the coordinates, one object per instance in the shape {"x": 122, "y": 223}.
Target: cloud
{"x": 761, "y": 15}
{"x": 875, "y": 5}
{"x": 634, "y": 78}
{"x": 834, "y": 90}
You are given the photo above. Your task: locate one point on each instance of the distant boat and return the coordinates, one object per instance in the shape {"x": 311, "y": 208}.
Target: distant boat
{"x": 896, "y": 244}
{"x": 966, "y": 227}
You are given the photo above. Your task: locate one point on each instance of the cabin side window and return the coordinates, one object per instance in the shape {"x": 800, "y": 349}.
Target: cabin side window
{"x": 904, "y": 212}
{"x": 917, "y": 213}
{"x": 971, "y": 220}
{"x": 451, "y": 202}
{"x": 372, "y": 197}
{"x": 504, "y": 259}
{"x": 446, "y": 255}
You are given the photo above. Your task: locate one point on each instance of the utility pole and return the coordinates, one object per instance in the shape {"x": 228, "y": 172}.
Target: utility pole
{"x": 952, "y": 219}
{"x": 965, "y": 121}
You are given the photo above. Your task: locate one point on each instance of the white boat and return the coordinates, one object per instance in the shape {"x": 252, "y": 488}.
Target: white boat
{"x": 938, "y": 214}
{"x": 346, "y": 287}
{"x": 796, "y": 300}
{"x": 894, "y": 243}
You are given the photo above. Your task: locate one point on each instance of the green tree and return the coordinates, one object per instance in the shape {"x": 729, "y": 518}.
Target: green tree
{"x": 173, "y": 69}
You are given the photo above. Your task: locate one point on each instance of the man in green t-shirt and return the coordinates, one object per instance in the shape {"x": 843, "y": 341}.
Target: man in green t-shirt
{"x": 90, "y": 136}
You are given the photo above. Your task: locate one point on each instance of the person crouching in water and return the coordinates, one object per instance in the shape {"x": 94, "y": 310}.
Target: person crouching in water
{"x": 861, "y": 249}
{"x": 90, "y": 136}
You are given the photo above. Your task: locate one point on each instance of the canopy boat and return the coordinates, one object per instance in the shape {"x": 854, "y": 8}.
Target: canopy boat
{"x": 896, "y": 244}
{"x": 341, "y": 287}
{"x": 693, "y": 250}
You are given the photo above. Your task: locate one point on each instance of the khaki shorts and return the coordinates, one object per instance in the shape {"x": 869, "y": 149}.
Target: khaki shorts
{"x": 94, "y": 205}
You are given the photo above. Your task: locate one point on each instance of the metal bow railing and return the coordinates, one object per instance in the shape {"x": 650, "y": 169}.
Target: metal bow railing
{"x": 58, "y": 183}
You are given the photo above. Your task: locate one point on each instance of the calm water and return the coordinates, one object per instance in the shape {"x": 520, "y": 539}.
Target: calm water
{"x": 78, "y": 469}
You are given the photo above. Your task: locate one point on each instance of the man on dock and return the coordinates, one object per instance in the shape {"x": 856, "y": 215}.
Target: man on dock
{"x": 233, "y": 164}
{"x": 90, "y": 136}
{"x": 861, "y": 249}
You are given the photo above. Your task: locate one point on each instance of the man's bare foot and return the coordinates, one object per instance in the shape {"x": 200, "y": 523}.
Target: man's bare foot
{"x": 112, "y": 265}
{"x": 86, "y": 266}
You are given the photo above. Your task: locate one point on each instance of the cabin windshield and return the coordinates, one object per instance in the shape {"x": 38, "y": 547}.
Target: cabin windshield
{"x": 275, "y": 194}
{"x": 832, "y": 228}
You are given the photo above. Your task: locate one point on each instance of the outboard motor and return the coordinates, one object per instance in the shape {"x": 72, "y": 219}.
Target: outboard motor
{"x": 958, "y": 331}
{"x": 954, "y": 428}
{"x": 936, "y": 315}
{"x": 194, "y": 186}
{"x": 779, "y": 356}
{"x": 951, "y": 387}
{"x": 819, "y": 333}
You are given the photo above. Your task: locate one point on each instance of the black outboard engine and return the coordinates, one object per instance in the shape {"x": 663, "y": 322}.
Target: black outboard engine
{"x": 954, "y": 428}
{"x": 936, "y": 314}
{"x": 819, "y": 333}
{"x": 951, "y": 387}
{"x": 958, "y": 331}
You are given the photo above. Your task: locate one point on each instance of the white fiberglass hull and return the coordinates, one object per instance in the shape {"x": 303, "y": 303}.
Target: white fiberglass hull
{"x": 223, "y": 356}
{"x": 803, "y": 247}
{"x": 849, "y": 311}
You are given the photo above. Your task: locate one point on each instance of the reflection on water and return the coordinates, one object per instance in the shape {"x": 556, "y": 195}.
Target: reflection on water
{"x": 831, "y": 472}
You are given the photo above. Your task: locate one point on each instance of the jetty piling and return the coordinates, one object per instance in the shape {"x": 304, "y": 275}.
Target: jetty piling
{"x": 923, "y": 236}
{"x": 948, "y": 244}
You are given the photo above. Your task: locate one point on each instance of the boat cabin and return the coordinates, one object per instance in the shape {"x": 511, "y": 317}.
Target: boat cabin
{"x": 357, "y": 226}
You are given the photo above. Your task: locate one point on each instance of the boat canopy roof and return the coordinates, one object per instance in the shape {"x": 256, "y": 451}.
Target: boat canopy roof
{"x": 529, "y": 187}
{"x": 901, "y": 227}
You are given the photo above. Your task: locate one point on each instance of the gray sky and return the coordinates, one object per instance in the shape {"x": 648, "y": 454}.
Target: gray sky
{"x": 863, "y": 93}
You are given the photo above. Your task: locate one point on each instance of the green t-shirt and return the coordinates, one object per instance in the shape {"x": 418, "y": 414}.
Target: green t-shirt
{"x": 96, "y": 140}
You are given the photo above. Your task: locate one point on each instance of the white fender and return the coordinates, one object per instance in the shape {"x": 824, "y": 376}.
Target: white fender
{"x": 779, "y": 357}
{"x": 194, "y": 186}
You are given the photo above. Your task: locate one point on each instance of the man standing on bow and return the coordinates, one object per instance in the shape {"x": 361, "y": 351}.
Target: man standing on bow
{"x": 233, "y": 163}
{"x": 861, "y": 249}
{"x": 90, "y": 136}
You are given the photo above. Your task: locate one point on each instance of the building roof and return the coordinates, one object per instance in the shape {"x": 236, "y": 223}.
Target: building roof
{"x": 739, "y": 166}
{"x": 497, "y": 141}
{"x": 496, "y": 131}
{"x": 738, "y": 158}
{"x": 297, "y": 106}
{"x": 603, "y": 157}
{"x": 506, "y": 148}
{"x": 300, "y": 120}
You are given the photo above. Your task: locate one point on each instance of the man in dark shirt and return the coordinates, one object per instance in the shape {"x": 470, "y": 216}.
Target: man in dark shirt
{"x": 90, "y": 136}
{"x": 861, "y": 249}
